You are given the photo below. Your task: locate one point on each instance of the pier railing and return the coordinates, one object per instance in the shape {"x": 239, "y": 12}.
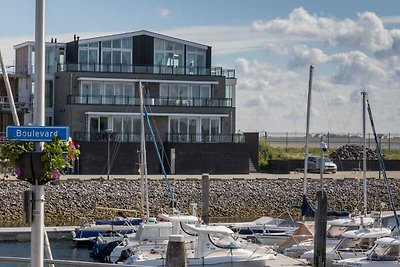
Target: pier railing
{"x": 389, "y": 141}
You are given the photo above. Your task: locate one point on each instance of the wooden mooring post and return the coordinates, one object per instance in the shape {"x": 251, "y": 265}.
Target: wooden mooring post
{"x": 176, "y": 253}
{"x": 205, "y": 197}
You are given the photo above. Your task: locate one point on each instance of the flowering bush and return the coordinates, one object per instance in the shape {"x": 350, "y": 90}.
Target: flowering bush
{"x": 56, "y": 156}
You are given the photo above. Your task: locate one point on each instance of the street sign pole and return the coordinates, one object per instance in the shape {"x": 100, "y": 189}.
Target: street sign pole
{"x": 37, "y": 229}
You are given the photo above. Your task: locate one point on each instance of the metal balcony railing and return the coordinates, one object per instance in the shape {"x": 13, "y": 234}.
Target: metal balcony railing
{"x": 109, "y": 136}
{"x": 146, "y": 69}
{"x": 162, "y": 101}
{"x": 175, "y": 138}
{"x": 22, "y": 104}
{"x": 205, "y": 138}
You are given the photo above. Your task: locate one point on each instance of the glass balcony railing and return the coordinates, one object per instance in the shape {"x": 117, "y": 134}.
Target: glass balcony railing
{"x": 205, "y": 138}
{"x": 154, "y": 69}
{"x": 162, "y": 101}
{"x": 174, "y": 138}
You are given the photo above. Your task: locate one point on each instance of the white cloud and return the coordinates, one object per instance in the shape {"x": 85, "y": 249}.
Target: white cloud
{"x": 390, "y": 19}
{"x": 304, "y": 56}
{"x": 367, "y": 31}
{"x": 164, "y": 12}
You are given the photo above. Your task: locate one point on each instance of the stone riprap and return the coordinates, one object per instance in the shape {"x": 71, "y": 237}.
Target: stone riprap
{"x": 73, "y": 201}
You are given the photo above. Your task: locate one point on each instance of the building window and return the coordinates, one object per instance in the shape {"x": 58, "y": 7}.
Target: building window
{"x": 229, "y": 95}
{"x": 195, "y": 60}
{"x": 88, "y": 56}
{"x": 124, "y": 128}
{"x": 184, "y": 94}
{"x": 48, "y": 95}
{"x": 194, "y": 129}
{"x": 117, "y": 55}
{"x": 115, "y": 93}
{"x": 168, "y": 56}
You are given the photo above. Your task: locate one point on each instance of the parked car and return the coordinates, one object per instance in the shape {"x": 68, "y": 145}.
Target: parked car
{"x": 313, "y": 164}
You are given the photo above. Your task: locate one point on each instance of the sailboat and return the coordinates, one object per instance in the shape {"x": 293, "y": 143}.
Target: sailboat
{"x": 360, "y": 241}
{"x": 386, "y": 251}
{"x": 306, "y": 209}
{"x": 205, "y": 245}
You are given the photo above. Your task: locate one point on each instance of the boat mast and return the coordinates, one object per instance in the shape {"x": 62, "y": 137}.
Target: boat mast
{"x": 364, "y": 154}
{"x": 143, "y": 164}
{"x": 307, "y": 132}
{"x": 382, "y": 167}
{"x": 9, "y": 92}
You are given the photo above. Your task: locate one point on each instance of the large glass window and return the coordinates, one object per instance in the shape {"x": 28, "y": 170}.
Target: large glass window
{"x": 124, "y": 128}
{"x": 195, "y": 60}
{"x": 107, "y": 93}
{"x": 194, "y": 129}
{"x": 88, "y": 56}
{"x": 168, "y": 56}
{"x": 185, "y": 94}
{"x": 117, "y": 55}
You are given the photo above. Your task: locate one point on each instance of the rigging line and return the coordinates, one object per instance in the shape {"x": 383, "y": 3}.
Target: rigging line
{"x": 171, "y": 192}
{"x": 331, "y": 111}
{"x": 325, "y": 104}
{"x": 158, "y": 137}
{"x": 382, "y": 166}
{"x": 119, "y": 140}
{"x": 297, "y": 107}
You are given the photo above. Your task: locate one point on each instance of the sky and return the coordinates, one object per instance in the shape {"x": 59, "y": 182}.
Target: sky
{"x": 353, "y": 45}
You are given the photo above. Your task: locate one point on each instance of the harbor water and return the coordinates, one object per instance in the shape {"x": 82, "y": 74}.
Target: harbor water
{"x": 61, "y": 250}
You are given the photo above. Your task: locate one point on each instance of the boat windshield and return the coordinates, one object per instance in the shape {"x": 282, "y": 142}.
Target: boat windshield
{"x": 385, "y": 252}
{"x": 355, "y": 245}
{"x": 224, "y": 241}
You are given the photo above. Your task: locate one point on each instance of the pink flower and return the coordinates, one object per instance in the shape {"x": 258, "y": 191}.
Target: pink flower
{"x": 17, "y": 172}
{"x": 56, "y": 174}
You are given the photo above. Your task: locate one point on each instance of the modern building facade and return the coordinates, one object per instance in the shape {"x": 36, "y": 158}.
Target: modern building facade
{"x": 93, "y": 86}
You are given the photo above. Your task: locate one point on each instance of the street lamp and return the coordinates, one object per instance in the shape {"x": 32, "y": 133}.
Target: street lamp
{"x": 108, "y": 132}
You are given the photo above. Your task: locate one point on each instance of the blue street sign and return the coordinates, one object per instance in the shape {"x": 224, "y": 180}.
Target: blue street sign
{"x": 36, "y": 133}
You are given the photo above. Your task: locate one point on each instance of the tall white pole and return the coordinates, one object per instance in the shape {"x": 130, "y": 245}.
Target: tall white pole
{"x": 37, "y": 231}
{"x": 364, "y": 154}
{"x": 307, "y": 131}
{"x": 9, "y": 92}
{"x": 142, "y": 151}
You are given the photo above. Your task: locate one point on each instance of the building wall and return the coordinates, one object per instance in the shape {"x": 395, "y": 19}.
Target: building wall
{"x": 213, "y": 158}
{"x": 123, "y": 157}
{"x": 143, "y": 50}
{"x": 74, "y": 115}
{"x": 190, "y": 158}
{"x": 22, "y": 60}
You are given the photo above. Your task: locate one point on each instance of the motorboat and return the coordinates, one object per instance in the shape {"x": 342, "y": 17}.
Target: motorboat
{"x": 302, "y": 240}
{"x": 266, "y": 230}
{"x": 86, "y": 235}
{"x": 153, "y": 237}
{"x": 385, "y": 253}
{"x": 352, "y": 244}
{"x": 215, "y": 246}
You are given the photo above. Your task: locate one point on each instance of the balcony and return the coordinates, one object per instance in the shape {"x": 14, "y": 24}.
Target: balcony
{"x": 153, "y": 69}
{"x": 173, "y": 138}
{"x": 205, "y": 138}
{"x": 162, "y": 101}
{"x": 22, "y": 104}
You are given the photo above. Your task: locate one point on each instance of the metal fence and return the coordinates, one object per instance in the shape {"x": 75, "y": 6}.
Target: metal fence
{"x": 390, "y": 141}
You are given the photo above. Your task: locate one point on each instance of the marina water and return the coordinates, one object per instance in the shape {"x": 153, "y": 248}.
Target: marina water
{"x": 61, "y": 250}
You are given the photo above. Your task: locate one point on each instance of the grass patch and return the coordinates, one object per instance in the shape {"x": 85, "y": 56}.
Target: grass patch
{"x": 267, "y": 152}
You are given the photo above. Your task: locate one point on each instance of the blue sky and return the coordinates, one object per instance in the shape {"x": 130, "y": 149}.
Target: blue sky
{"x": 353, "y": 44}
